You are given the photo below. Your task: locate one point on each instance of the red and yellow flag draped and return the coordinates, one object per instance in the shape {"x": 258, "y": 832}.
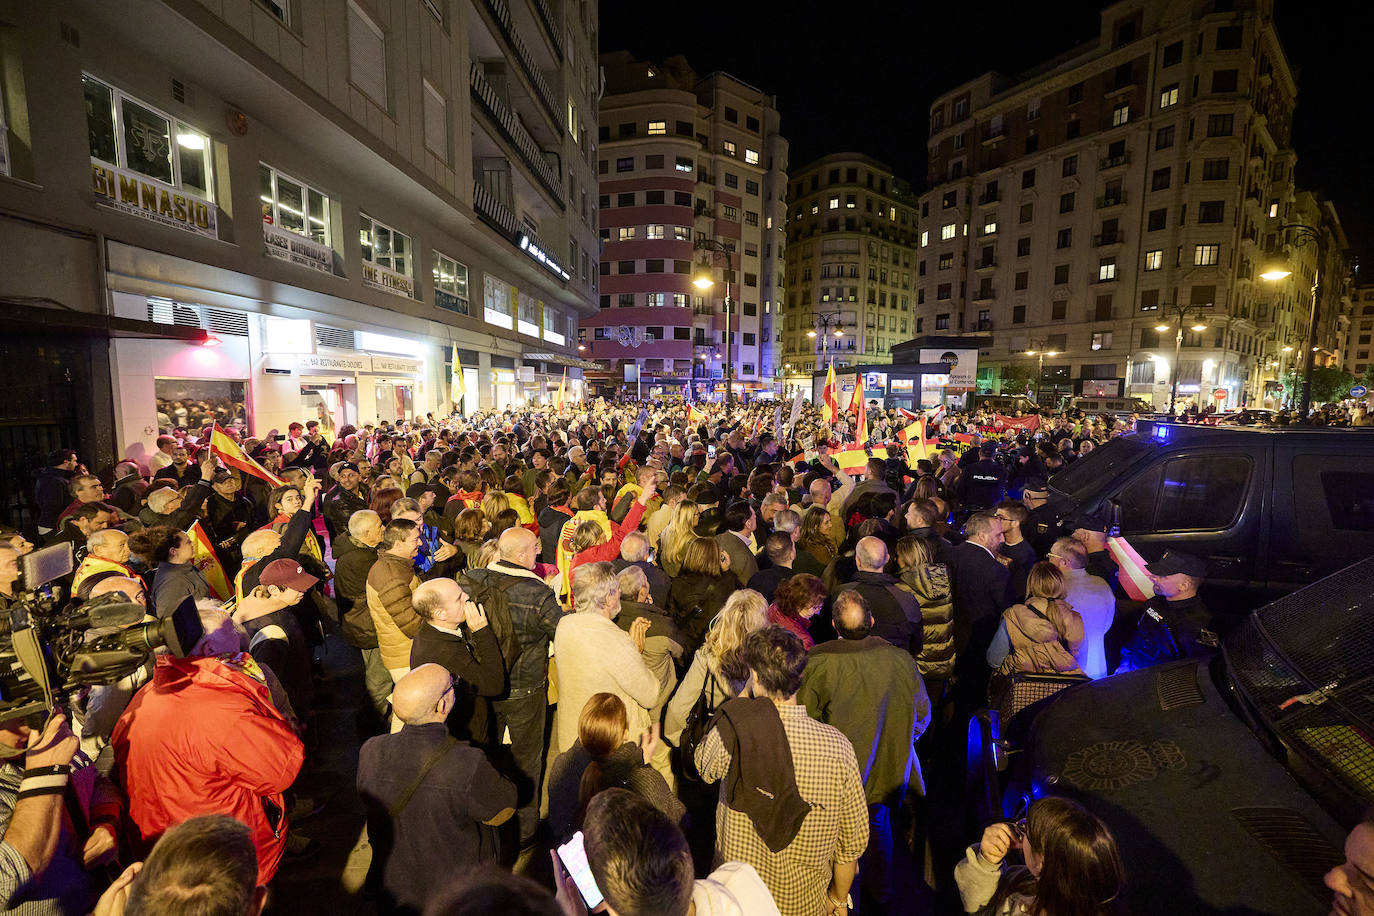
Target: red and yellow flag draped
{"x": 228, "y": 451}
{"x": 829, "y": 397}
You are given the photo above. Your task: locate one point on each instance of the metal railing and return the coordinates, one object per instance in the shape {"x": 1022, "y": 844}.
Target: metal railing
{"x": 485, "y": 94}
{"x": 546, "y": 20}
{"x": 501, "y": 13}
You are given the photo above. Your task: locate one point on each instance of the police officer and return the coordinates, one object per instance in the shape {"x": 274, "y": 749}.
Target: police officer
{"x": 983, "y": 483}
{"x": 1175, "y": 623}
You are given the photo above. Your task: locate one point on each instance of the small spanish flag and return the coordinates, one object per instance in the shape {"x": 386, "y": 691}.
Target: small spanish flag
{"x": 229, "y": 452}
{"x": 695, "y": 417}
{"x": 208, "y": 564}
{"x": 562, "y": 387}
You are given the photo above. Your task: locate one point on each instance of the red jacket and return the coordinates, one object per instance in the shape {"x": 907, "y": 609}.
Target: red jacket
{"x": 204, "y": 738}
{"x": 609, "y": 551}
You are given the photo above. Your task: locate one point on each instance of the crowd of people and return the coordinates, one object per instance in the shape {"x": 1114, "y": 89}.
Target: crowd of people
{"x": 678, "y": 644}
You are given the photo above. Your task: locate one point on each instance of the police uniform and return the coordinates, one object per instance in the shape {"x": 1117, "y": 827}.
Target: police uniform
{"x": 985, "y": 484}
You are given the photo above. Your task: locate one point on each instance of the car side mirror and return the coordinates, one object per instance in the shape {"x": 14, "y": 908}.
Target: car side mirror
{"x": 1114, "y": 525}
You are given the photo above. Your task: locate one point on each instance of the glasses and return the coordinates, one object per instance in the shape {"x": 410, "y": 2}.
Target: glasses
{"x": 440, "y": 701}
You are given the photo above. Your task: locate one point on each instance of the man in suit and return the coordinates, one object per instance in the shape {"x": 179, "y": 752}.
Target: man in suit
{"x": 981, "y": 591}
{"x": 736, "y": 540}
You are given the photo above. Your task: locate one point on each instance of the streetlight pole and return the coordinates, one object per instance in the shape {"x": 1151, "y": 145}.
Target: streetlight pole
{"x": 1038, "y": 349}
{"x": 1180, "y": 312}
{"x": 705, "y": 281}
{"x": 1302, "y": 235}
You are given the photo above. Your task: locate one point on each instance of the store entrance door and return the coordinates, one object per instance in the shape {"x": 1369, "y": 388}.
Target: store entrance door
{"x": 394, "y": 402}
{"x": 332, "y": 404}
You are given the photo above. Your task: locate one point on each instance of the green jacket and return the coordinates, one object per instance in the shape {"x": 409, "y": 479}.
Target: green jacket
{"x": 871, "y": 691}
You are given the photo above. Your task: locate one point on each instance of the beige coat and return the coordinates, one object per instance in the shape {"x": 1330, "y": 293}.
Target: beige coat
{"x": 1036, "y": 645}
{"x": 596, "y": 656}
{"x": 390, "y": 583}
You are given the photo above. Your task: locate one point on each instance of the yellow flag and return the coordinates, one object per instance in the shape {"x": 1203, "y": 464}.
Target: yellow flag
{"x": 457, "y": 390}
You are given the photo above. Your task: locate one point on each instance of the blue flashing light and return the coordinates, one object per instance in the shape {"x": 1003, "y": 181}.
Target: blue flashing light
{"x": 1161, "y": 432}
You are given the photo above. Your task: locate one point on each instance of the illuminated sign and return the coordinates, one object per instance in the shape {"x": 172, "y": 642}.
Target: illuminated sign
{"x": 902, "y": 386}
{"x": 528, "y": 246}
{"x": 130, "y": 193}
{"x": 388, "y": 281}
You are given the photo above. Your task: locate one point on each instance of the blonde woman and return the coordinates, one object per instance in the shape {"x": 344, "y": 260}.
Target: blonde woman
{"x": 493, "y": 504}
{"x": 745, "y": 612}
{"x": 815, "y": 535}
{"x": 680, "y": 532}
{"x": 1044, "y": 635}
{"x": 922, "y": 575}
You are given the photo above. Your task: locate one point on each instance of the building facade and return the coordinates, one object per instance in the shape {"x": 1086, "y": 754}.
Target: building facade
{"x": 684, "y": 157}
{"x": 851, "y": 265}
{"x": 1356, "y": 353}
{"x": 1085, "y": 212}
{"x": 343, "y": 194}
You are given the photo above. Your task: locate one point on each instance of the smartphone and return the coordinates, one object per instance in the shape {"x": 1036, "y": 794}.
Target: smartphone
{"x": 574, "y": 859}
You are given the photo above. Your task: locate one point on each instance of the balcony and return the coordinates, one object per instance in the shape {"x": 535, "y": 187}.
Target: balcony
{"x": 546, "y": 20}
{"x": 501, "y": 13}
{"x": 983, "y": 294}
{"x": 485, "y": 95}
{"x": 1114, "y": 161}
{"x": 981, "y": 326}
{"x": 1108, "y": 238}
{"x": 498, "y": 216}
{"x": 1111, "y": 200}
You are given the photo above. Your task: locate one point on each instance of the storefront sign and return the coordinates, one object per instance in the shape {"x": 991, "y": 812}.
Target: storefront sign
{"x": 963, "y": 367}
{"x": 395, "y": 365}
{"x": 388, "y": 281}
{"x": 129, "y": 193}
{"x": 333, "y": 362}
{"x": 297, "y": 249}
{"x": 543, "y": 257}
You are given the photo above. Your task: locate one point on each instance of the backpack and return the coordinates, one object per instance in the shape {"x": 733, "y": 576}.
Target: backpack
{"x": 496, "y": 604}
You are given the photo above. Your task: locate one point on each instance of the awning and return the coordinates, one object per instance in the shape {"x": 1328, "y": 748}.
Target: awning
{"x": 39, "y": 315}
{"x": 575, "y": 362}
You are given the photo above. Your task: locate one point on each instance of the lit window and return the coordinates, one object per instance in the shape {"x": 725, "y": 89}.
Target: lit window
{"x": 450, "y": 284}
{"x": 729, "y": 147}
{"x": 815, "y": 208}
{"x": 1273, "y": 209}
{"x": 627, "y": 233}
{"x": 1121, "y": 114}
{"x": 834, "y": 203}
{"x": 768, "y": 222}
{"x": 150, "y": 143}
{"x": 990, "y": 228}
{"x": 1206, "y": 255}
{"x": 948, "y": 231}
{"x": 683, "y": 164}
{"x": 655, "y": 231}
{"x": 293, "y": 205}
{"x": 1154, "y": 260}
{"x": 657, "y": 128}
{"x": 384, "y": 246}
{"x": 1102, "y": 340}
{"x": 1168, "y": 96}
{"x": 925, "y": 237}
{"x": 892, "y": 214}
{"x": 682, "y": 233}
{"x": 1106, "y": 269}
{"x": 751, "y": 156}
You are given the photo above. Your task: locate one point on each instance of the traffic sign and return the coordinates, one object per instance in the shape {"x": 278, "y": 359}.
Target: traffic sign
{"x": 1359, "y": 391}
{"x": 1219, "y": 393}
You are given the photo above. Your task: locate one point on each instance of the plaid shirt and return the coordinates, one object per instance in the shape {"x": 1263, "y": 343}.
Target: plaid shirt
{"x": 836, "y": 830}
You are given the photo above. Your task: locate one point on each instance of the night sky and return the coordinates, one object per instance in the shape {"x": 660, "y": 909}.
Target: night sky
{"x": 860, "y": 74}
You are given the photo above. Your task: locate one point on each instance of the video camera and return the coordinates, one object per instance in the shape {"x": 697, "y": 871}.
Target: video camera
{"x": 49, "y": 648}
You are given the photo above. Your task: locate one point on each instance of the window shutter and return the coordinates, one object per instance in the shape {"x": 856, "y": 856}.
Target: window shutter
{"x": 366, "y": 55}
{"x": 436, "y": 122}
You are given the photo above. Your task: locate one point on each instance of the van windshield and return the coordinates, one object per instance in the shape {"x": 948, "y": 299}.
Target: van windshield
{"x": 1100, "y": 466}
{"x": 1304, "y": 665}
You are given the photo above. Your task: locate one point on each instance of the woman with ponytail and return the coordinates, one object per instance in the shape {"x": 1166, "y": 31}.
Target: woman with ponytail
{"x": 604, "y": 757}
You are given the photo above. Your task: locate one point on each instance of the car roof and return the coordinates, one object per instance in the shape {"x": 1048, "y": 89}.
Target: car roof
{"x": 1163, "y": 431}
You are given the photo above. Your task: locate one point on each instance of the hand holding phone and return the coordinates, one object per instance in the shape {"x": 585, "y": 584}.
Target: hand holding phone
{"x": 574, "y": 858}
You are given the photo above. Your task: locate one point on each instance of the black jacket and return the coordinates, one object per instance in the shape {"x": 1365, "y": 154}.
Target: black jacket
{"x": 51, "y": 494}
{"x": 350, "y": 587}
{"x": 475, "y": 660}
{"x": 534, "y": 616}
{"x": 983, "y": 484}
{"x": 694, "y": 600}
{"x": 339, "y": 505}
{"x": 981, "y": 591}
{"x": 896, "y": 613}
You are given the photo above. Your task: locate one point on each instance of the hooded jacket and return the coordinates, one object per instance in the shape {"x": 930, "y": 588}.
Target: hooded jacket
{"x": 204, "y": 738}
{"x": 1047, "y": 642}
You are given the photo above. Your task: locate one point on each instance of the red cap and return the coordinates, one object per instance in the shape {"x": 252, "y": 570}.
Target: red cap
{"x": 287, "y": 574}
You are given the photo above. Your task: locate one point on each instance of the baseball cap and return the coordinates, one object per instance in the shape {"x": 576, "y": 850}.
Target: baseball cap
{"x": 222, "y": 475}
{"x": 347, "y": 466}
{"x": 287, "y": 574}
{"x": 1087, "y": 523}
{"x": 987, "y": 449}
{"x": 1175, "y": 562}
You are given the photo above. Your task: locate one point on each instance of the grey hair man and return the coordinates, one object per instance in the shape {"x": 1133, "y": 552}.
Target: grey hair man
{"x": 635, "y": 551}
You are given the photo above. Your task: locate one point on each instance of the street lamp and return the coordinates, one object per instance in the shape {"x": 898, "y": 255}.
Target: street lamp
{"x": 1039, "y": 350}
{"x": 705, "y": 281}
{"x": 822, "y": 329}
{"x": 1279, "y": 270}
{"x": 1181, "y": 313}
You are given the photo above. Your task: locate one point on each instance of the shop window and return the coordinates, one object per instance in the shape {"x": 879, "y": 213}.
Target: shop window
{"x": 196, "y": 403}
{"x": 496, "y": 302}
{"x": 128, "y": 134}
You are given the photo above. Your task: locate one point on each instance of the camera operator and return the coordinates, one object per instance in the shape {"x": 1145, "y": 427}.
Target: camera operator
{"x": 43, "y": 861}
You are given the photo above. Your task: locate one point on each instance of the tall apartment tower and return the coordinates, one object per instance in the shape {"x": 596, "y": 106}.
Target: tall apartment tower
{"x": 345, "y": 195}
{"x": 851, "y": 265}
{"x": 1074, "y": 209}
{"x": 684, "y": 157}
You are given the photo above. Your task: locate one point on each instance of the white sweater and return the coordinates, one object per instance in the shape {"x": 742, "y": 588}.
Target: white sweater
{"x": 596, "y": 656}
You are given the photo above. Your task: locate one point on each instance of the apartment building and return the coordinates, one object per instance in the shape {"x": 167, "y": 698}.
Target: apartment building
{"x": 684, "y": 157}
{"x": 339, "y": 196}
{"x": 851, "y": 265}
{"x": 1136, "y": 184}
{"x": 1356, "y": 353}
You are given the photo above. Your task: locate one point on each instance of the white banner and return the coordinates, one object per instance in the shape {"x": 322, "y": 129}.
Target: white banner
{"x": 332, "y": 362}
{"x": 963, "y": 368}
{"x": 289, "y": 246}
{"x": 388, "y": 281}
{"x": 129, "y": 192}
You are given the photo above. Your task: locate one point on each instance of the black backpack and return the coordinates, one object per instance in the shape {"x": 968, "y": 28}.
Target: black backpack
{"x": 493, "y": 600}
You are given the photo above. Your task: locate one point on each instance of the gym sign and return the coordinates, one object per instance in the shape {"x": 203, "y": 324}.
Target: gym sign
{"x": 130, "y": 193}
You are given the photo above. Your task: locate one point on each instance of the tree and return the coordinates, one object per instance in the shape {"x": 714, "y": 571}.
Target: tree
{"x": 1328, "y": 384}
{"x": 1016, "y": 378}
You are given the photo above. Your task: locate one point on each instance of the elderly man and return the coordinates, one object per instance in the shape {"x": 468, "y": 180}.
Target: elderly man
{"x": 350, "y": 586}
{"x": 428, "y": 796}
{"x": 896, "y": 613}
{"x": 1091, "y": 597}
{"x": 846, "y": 679}
{"x": 107, "y": 552}
{"x": 664, "y": 643}
{"x": 534, "y": 615}
{"x": 205, "y": 738}
{"x": 764, "y": 814}
{"x": 129, "y": 487}
{"x": 634, "y": 551}
{"x": 455, "y": 636}
{"x": 596, "y": 656}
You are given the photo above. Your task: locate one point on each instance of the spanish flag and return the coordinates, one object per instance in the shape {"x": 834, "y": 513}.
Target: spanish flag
{"x": 695, "y": 417}
{"x": 205, "y": 560}
{"x": 860, "y": 422}
{"x": 562, "y": 386}
{"x": 916, "y": 450}
{"x": 1131, "y": 570}
{"x": 229, "y": 452}
{"x": 829, "y": 397}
